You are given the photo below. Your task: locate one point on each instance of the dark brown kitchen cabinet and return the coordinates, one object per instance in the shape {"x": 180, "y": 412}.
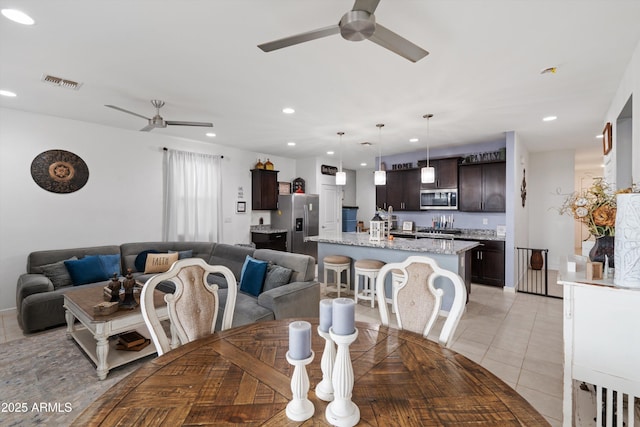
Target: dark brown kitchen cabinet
{"x": 381, "y": 197}
{"x": 264, "y": 189}
{"x": 487, "y": 263}
{"x": 276, "y": 241}
{"x": 446, "y": 171}
{"x": 482, "y": 187}
{"x": 403, "y": 190}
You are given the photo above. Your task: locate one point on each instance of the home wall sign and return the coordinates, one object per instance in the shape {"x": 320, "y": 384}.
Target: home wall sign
{"x": 328, "y": 170}
{"x": 59, "y": 171}
{"x": 401, "y": 166}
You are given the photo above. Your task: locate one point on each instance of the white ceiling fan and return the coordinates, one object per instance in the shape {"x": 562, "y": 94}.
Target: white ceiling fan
{"x": 356, "y": 25}
{"x": 157, "y": 121}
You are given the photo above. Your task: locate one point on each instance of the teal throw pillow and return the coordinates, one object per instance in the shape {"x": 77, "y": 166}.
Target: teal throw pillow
{"x": 252, "y": 275}
{"x": 86, "y": 270}
{"x": 184, "y": 254}
{"x": 277, "y": 276}
{"x": 110, "y": 264}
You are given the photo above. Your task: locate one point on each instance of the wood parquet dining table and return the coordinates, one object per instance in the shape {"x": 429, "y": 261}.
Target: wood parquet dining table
{"x": 241, "y": 376}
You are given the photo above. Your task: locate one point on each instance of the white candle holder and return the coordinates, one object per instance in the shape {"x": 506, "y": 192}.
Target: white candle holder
{"x": 342, "y": 412}
{"x": 300, "y": 408}
{"x": 324, "y": 389}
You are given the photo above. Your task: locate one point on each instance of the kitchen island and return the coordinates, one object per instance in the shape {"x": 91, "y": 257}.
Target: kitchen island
{"x": 450, "y": 254}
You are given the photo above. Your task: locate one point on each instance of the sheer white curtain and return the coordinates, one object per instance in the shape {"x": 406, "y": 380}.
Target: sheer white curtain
{"x": 192, "y": 188}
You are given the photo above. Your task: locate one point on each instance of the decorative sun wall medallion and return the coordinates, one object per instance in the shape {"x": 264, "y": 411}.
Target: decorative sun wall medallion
{"x": 59, "y": 171}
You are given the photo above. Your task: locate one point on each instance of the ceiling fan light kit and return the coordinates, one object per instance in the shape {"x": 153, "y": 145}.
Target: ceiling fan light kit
{"x": 356, "y": 25}
{"x": 157, "y": 121}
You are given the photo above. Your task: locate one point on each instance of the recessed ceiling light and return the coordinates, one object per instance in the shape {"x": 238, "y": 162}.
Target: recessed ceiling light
{"x": 288, "y": 110}
{"x": 18, "y": 16}
{"x": 7, "y": 93}
{"x": 291, "y": 144}
{"x": 549, "y": 118}
{"x": 414, "y": 140}
{"x": 363, "y": 164}
{"x": 599, "y": 136}
{"x": 331, "y": 153}
{"x": 210, "y": 134}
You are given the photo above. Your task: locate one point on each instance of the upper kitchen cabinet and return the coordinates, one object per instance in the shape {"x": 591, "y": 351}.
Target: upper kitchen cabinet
{"x": 403, "y": 190}
{"x": 446, "y": 174}
{"x": 482, "y": 187}
{"x": 264, "y": 189}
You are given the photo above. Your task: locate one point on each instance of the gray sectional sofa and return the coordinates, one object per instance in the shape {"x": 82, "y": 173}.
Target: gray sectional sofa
{"x": 40, "y": 304}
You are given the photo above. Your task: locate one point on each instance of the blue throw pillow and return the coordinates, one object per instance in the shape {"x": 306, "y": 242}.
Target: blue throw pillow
{"x": 184, "y": 254}
{"x": 86, "y": 270}
{"x": 110, "y": 264}
{"x": 141, "y": 259}
{"x": 252, "y": 275}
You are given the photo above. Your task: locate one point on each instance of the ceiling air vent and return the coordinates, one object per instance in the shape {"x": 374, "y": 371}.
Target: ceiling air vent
{"x": 57, "y": 81}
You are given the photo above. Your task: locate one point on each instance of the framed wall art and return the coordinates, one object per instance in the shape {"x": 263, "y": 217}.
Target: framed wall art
{"x": 241, "y": 207}
{"x": 607, "y": 138}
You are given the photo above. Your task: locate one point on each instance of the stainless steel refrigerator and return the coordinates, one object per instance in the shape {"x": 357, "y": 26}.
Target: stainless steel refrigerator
{"x": 298, "y": 214}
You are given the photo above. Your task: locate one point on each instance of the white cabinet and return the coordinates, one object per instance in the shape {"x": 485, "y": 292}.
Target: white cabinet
{"x": 601, "y": 344}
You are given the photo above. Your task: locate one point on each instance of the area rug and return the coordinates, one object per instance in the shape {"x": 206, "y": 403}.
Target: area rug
{"x": 46, "y": 379}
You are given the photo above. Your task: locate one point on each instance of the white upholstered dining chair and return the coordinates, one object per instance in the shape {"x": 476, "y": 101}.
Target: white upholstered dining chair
{"x": 193, "y": 307}
{"x": 415, "y": 299}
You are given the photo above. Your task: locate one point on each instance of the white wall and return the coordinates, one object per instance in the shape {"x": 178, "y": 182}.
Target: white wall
{"x": 629, "y": 85}
{"x": 365, "y": 195}
{"x": 517, "y": 216}
{"x": 121, "y": 202}
{"x": 551, "y": 180}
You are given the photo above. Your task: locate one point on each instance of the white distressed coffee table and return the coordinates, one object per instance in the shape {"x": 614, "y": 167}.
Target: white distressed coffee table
{"x": 94, "y": 336}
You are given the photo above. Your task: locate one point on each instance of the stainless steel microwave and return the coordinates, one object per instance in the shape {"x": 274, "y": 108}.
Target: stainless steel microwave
{"x": 446, "y": 199}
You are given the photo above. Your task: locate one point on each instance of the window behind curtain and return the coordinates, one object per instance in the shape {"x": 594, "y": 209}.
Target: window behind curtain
{"x": 191, "y": 197}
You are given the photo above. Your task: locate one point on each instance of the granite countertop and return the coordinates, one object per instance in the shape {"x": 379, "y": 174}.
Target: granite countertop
{"x": 464, "y": 234}
{"x": 266, "y": 229}
{"x": 436, "y": 246}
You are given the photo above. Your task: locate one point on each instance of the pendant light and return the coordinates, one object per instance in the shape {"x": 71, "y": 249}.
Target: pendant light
{"x": 380, "y": 176}
{"x": 427, "y": 173}
{"x": 341, "y": 177}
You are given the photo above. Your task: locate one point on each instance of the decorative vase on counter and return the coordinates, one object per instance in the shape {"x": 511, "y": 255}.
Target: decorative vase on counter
{"x": 604, "y": 246}
{"x": 627, "y": 246}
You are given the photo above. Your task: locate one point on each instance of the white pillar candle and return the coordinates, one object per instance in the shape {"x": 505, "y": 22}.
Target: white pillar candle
{"x": 299, "y": 340}
{"x": 344, "y": 316}
{"x": 326, "y": 314}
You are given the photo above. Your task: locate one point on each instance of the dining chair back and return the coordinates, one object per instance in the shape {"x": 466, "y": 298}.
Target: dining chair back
{"x": 417, "y": 302}
{"x": 193, "y": 307}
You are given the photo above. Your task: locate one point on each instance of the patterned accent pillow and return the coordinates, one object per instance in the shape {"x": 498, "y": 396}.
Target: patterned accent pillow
{"x": 58, "y": 273}
{"x": 277, "y": 276}
{"x": 159, "y": 263}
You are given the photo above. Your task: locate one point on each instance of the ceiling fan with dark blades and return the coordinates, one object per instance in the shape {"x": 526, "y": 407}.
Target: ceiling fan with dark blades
{"x": 157, "y": 121}
{"x": 356, "y": 25}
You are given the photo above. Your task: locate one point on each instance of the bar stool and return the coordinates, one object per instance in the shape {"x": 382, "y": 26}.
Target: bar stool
{"x": 397, "y": 276}
{"x": 368, "y": 269}
{"x": 337, "y": 264}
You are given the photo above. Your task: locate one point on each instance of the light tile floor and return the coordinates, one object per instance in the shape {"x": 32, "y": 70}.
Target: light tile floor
{"x": 516, "y": 336}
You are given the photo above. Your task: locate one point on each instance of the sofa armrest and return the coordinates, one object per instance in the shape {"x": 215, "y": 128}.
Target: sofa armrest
{"x": 29, "y": 284}
{"x": 296, "y": 299}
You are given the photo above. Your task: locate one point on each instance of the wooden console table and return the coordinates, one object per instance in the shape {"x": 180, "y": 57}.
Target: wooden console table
{"x": 241, "y": 376}
{"x": 601, "y": 345}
